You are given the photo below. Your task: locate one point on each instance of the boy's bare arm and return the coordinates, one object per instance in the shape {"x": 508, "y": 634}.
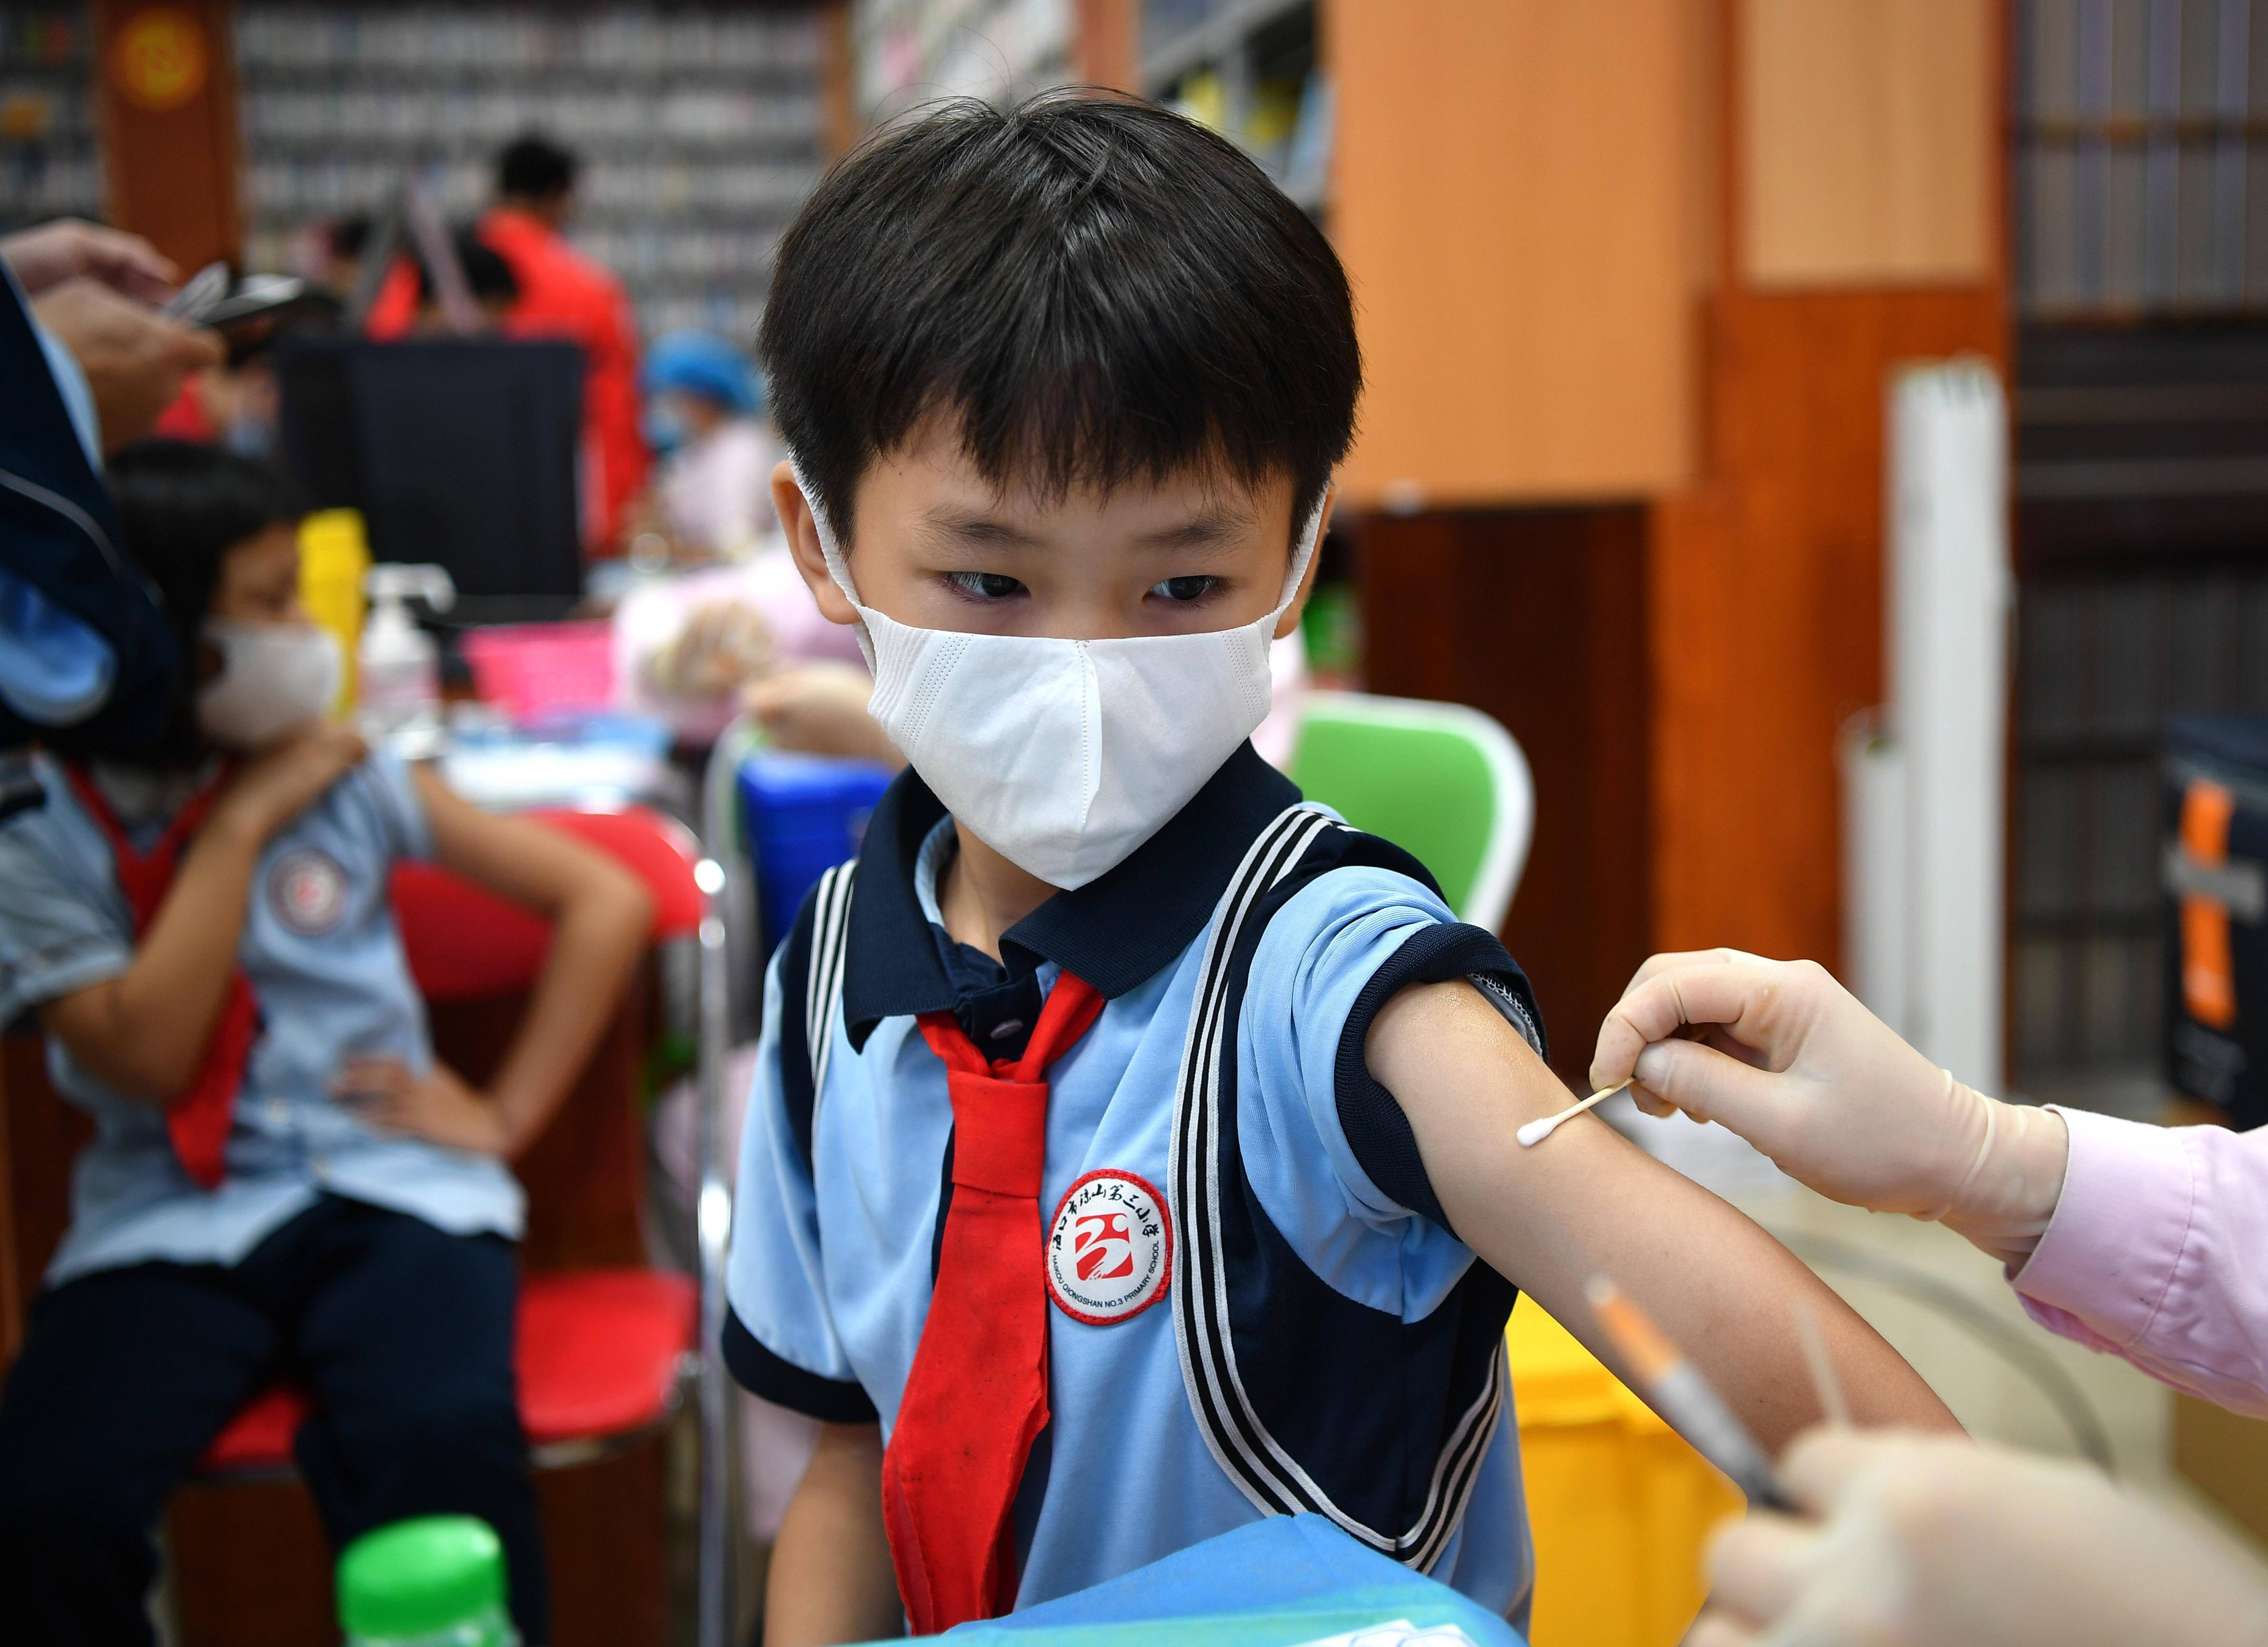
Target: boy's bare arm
{"x": 143, "y": 1032}
{"x": 600, "y": 914}
{"x": 1586, "y": 1202}
{"x": 831, "y": 1578}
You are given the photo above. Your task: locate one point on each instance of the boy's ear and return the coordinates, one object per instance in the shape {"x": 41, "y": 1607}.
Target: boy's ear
{"x": 1290, "y": 621}
{"x": 803, "y": 543}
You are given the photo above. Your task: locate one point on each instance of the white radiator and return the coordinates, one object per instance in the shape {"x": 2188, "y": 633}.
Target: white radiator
{"x": 1924, "y": 779}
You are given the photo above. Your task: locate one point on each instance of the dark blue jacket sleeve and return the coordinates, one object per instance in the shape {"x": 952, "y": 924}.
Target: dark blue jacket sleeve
{"x": 59, "y": 538}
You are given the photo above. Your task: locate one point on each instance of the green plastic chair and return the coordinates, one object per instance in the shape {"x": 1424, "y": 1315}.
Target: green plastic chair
{"x": 1445, "y": 784}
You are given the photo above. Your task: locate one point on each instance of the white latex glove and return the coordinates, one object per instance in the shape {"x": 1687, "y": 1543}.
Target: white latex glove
{"x": 1924, "y": 1542}
{"x": 1781, "y": 1054}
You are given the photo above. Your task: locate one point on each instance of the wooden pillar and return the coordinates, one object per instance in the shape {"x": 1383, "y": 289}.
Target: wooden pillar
{"x": 1536, "y": 616}
{"x": 166, "y": 76}
{"x": 839, "y": 124}
{"x": 1107, "y": 44}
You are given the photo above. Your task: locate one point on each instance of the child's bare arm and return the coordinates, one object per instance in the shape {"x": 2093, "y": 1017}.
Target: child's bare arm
{"x": 1586, "y": 1202}
{"x": 600, "y": 914}
{"x": 143, "y": 1032}
{"x": 831, "y": 1578}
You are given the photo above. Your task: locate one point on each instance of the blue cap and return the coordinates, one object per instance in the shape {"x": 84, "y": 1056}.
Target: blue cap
{"x": 704, "y": 363}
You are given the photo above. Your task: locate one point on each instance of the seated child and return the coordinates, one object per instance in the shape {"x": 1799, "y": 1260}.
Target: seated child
{"x": 283, "y": 1183}
{"x": 1131, "y": 1150}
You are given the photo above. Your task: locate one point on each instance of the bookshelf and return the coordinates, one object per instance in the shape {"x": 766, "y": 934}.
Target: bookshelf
{"x": 699, "y": 128}
{"x": 50, "y": 135}
{"x": 2137, "y": 142}
{"x": 910, "y": 52}
{"x": 1251, "y": 70}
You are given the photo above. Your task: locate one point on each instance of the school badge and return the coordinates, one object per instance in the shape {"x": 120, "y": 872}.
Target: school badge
{"x": 307, "y": 889}
{"x": 1110, "y": 1250}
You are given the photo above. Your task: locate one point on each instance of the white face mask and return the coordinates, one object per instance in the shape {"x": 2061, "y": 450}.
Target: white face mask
{"x": 1063, "y": 756}
{"x": 272, "y": 677}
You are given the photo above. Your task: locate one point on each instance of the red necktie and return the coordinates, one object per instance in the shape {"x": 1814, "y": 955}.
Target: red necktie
{"x": 977, "y": 1397}
{"x": 199, "y": 1120}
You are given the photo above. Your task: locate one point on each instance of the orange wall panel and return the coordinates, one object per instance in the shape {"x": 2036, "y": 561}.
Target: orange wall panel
{"x": 1868, "y": 141}
{"x": 1511, "y": 197}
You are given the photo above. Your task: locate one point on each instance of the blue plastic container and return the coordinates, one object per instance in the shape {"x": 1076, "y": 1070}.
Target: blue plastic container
{"x": 803, "y": 815}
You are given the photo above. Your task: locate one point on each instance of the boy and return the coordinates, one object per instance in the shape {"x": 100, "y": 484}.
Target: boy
{"x": 283, "y": 1182}
{"x": 1125, "y": 1133}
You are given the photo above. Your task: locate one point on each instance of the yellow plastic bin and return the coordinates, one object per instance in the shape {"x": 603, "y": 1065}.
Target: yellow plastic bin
{"x": 334, "y": 555}
{"x": 1620, "y": 1505}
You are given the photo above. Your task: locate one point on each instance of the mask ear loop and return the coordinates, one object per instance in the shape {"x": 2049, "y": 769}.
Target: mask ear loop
{"x": 838, "y": 565}
{"x": 1310, "y": 535}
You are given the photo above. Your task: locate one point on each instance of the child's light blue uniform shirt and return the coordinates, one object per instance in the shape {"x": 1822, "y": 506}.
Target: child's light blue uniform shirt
{"x": 1368, "y": 1333}
{"x": 326, "y": 967}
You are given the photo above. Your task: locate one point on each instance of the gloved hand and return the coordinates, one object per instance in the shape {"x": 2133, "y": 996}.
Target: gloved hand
{"x": 1922, "y": 1542}
{"x": 1784, "y": 1056}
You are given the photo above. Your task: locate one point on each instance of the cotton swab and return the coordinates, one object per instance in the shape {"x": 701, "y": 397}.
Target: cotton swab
{"x": 1536, "y": 1131}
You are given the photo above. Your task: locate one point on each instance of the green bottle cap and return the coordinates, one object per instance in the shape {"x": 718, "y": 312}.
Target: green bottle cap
{"x": 420, "y": 1578}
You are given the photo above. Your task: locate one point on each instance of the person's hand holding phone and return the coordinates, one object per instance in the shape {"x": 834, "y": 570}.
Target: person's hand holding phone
{"x": 134, "y": 359}
{"x": 70, "y": 248}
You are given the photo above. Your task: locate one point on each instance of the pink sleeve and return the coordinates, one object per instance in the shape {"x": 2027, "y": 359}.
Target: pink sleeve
{"x": 2158, "y": 1252}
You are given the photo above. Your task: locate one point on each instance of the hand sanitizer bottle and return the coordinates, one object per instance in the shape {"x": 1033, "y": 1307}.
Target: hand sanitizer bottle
{"x": 399, "y": 664}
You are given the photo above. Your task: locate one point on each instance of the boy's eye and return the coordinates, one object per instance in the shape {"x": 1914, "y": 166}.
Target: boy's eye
{"x": 985, "y": 585}
{"x": 1186, "y": 589}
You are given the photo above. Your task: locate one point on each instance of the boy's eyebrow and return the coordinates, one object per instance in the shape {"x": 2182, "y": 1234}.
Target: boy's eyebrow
{"x": 1216, "y": 529}
{"x": 1213, "y": 529}
{"x": 974, "y": 525}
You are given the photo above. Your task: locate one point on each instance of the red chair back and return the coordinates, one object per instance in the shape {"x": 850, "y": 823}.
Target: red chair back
{"x": 463, "y": 943}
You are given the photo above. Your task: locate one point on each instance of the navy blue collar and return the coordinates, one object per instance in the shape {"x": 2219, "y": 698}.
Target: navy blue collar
{"x": 1115, "y": 931}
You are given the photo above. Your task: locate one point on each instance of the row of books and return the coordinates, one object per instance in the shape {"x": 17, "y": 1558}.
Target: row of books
{"x": 2141, "y": 162}
{"x": 620, "y": 42}
{"x": 909, "y": 51}
{"x": 599, "y": 119}
{"x": 698, "y": 129}
{"x": 668, "y": 195}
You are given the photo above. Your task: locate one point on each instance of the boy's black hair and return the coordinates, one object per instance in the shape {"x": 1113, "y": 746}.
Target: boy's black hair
{"x": 488, "y": 274}
{"x": 181, "y": 508}
{"x": 533, "y": 168}
{"x": 1098, "y": 289}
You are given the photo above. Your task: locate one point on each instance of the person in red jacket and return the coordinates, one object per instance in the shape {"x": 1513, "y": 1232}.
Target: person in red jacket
{"x": 564, "y": 294}
{"x": 561, "y": 294}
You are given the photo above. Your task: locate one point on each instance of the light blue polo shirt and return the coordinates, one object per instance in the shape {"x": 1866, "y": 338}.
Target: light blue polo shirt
{"x": 1309, "y": 1258}
{"x": 326, "y": 967}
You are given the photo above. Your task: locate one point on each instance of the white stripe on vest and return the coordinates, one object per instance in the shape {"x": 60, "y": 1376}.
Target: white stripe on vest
{"x": 1261, "y": 1468}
